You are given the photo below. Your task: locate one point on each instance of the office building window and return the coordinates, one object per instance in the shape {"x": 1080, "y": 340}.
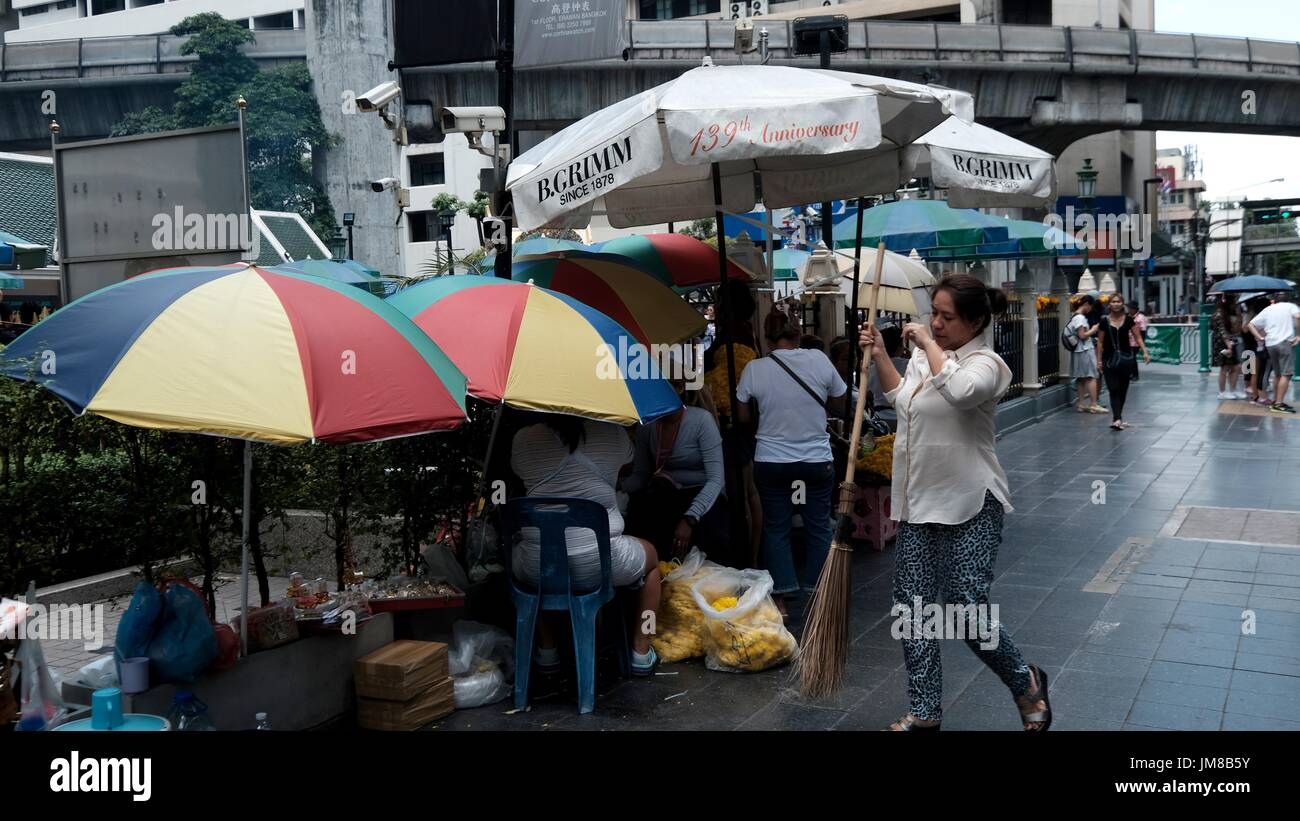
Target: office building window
{"x": 106, "y": 6}
{"x": 273, "y": 21}
{"x": 72, "y": 4}
{"x": 427, "y": 169}
{"x": 33, "y": 10}
{"x": 671, "y": 9}
{"x": 423, "y": 226}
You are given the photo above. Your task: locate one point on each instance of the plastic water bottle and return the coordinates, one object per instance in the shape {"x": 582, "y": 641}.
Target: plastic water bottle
{"x": 263, "y": 723}
{"x": 188, "y": 713}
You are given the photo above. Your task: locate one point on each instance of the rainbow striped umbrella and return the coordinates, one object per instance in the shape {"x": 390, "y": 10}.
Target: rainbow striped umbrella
{"x": 345, "y": 271}
{"x": 679, "y": 260}
{"x": 243, "y": 352}
{"x": 537, "y": 349}
{"x": 652, "y": 311}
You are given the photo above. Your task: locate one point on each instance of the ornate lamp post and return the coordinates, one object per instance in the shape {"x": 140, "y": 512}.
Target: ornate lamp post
{"x": 1087, "y": 194}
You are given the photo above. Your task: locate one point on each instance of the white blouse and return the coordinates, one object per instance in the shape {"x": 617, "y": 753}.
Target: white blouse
{"x": 945, "y": 455}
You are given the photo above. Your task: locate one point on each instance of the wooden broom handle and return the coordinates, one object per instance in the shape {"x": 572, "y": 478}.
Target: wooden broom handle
{"x": 863, "y": 378}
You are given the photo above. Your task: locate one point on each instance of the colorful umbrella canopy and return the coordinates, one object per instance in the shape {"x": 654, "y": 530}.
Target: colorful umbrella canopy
{"x": 650, "y": 310}
{"x": 678, "y": 260}
{"x": 348, "y": 272}
{"x": 922, "y": 224}
{"x": 537, "y": 349}
{"x": 244, "y": 352}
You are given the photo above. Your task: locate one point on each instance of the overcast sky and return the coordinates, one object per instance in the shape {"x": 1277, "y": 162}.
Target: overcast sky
{"x": 1232, "y": 163}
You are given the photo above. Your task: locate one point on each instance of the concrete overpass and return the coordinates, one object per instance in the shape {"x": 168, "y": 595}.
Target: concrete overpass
{"x": 96, "y": 81}
{"x": 1047, "y": 85}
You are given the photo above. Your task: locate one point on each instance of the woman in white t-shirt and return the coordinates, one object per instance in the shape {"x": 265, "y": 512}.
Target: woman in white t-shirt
{"x": 794, "y": 389}
{"x": 949, "y": 494}
{"x": 1083, "y": 359}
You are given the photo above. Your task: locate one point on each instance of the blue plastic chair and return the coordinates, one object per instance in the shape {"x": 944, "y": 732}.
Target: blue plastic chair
{"x": 551, "y": 515}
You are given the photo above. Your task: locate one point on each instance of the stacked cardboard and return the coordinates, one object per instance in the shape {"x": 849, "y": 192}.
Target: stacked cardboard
{"x": 403, "y": 686}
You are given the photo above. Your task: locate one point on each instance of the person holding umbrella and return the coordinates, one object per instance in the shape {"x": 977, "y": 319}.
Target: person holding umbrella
{"x": 949, "y": 491}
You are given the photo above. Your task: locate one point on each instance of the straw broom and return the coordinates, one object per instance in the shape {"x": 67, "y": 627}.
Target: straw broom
{"x": 821, "y": 660}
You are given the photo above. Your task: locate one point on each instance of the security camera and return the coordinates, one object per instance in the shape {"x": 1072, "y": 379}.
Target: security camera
{"x": 472, "y": 120}
{"x": 384, "y": 184}
{"x": 379, "y": 96}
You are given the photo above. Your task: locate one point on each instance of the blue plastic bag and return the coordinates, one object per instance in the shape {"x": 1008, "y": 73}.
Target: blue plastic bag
{"x": 185, "y": 645}
{"x": 136, "y": 629}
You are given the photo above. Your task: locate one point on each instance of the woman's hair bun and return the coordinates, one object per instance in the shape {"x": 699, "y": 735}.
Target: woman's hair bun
{"x": 997, "y": 300}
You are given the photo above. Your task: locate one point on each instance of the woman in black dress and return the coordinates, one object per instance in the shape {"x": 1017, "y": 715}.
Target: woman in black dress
{"x": 1118, "y": 358}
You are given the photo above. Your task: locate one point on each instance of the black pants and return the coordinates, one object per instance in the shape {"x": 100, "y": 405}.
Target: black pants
{"x": 1117, "y": 381}
{"x": 653, "y": 515}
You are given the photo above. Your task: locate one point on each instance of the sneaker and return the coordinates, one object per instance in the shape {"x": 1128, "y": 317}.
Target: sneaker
{"x": 1098, "y": 409}
{"x": 1263, "y": 401}
{"x": 1239, "y": 395}
{"x": 1225, "y": 395}
{"x": 1281, "y": 407}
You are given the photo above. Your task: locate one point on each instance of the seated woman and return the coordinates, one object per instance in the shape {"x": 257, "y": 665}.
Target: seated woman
{"x": 567, "y": 456}
{"x": 676, "y": 487}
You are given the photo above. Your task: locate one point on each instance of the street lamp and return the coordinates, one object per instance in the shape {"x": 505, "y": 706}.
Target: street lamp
{"x": 338, "y": 245}
{"x": 1087, "y": 192}
{"x": 446, "y": 219}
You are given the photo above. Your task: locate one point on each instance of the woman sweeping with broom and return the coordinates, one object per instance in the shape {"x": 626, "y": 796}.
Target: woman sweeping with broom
{"x": 949, "y": 492}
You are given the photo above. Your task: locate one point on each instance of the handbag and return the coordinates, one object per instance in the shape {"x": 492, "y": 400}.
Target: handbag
{"x": 873, "y": 424}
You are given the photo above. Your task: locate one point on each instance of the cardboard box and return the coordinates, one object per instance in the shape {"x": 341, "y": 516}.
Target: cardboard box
{"x": 401, "y": 671}
{"x": 435, "y": 703}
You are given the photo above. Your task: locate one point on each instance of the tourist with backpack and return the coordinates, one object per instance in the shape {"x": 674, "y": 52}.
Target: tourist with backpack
{"x": 1077, "y": 339}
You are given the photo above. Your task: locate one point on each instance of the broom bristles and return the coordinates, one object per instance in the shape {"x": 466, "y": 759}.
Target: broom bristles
{"x": 822, "y": 656}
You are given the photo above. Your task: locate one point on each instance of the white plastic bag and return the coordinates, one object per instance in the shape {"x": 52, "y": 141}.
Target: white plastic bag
{"x": 39, "y": 691}
{"x": 678, "y": 624}
{"x": 439, "y": 563}
{"x": 100, "y": 673}
{"x": 481, "y": 661}
{"x": 748, "y": 636}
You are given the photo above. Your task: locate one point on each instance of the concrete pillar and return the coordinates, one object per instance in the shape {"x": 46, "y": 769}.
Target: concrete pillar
{"x": 1064, "y": 313}
{"x": 348, "y": 49}
{"x": 1029, "y": 310}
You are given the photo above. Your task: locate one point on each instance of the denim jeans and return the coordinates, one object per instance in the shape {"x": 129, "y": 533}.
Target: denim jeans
{"x": 777, "y": 490}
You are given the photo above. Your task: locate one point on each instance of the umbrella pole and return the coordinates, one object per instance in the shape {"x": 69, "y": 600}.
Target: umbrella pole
{"x": 247, "y": 513}
{"x": 853, "y": 312}
{"x": 739, "y": 496}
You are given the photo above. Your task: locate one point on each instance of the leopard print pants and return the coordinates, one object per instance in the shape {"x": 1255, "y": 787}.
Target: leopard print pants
{"x": 960, "y": 559}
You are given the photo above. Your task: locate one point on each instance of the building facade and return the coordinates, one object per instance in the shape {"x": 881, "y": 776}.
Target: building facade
{"x": 39, "y": 20}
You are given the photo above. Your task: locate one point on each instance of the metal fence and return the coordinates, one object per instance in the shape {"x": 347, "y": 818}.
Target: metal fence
{"x": 1049, "y": 358}
{"x": 1009, "y": 342}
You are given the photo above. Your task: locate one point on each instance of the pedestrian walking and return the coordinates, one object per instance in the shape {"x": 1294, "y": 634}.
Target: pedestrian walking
{"x": 1118, "y": 357}
{"x": 1140, "y": 323}
{"x": 949, "y": 491}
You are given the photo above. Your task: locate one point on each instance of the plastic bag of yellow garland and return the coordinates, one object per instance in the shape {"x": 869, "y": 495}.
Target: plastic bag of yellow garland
{"x": 679, "y": 624}
{"x": 743, "y": 629}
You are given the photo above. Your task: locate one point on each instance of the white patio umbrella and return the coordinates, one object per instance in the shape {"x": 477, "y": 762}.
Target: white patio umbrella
{"x": 810, "y": 134}
{"x": 904, "y": 282}
{"x": 981, "y": 167}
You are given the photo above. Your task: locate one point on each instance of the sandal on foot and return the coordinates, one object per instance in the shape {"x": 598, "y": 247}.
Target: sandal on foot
{"x": 1032, "y": 697}
{"x": 908, "y": 724}
{"x": 642, "y": 671}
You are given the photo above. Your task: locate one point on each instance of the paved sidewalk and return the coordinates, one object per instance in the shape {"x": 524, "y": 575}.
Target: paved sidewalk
{"x": 1134, "y": 607}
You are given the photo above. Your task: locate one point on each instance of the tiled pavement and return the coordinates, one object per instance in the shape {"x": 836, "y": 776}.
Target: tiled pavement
{"x": 1166, "y": 644}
